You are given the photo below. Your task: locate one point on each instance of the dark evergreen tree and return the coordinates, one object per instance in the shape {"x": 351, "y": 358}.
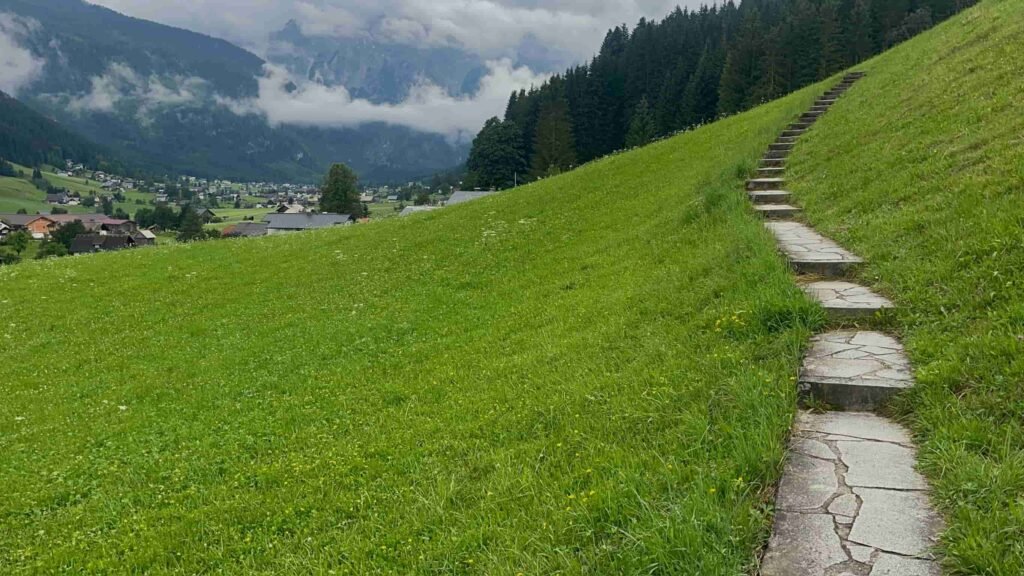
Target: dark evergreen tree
{"x": 554, "y": 149}
{"x": 700, "y": 101}
{"x": 742, "y": 71}
{"x": 642, "y": 126}
{"x": 497, "y": 158}
{"x": 831, "y": 59}
{"x": 339, "y": 193}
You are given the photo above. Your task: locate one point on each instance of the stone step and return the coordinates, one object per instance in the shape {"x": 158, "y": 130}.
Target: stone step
{"x": 851, "y": 502}
{"x": 770, "y": 172}
{"x": 811, "y": 253}
{"x": 773, "y": 162}
{"x": 793, "y": 133}
{"x": 812, "y": 114}
{"x": 776, "y": 154}
{"x": 786, "y": 140}
{"x": 769, "y": 197}
{"x": 820, "y": 108}
{"x": 825, "y": 102}
{"x": 755, "y": 184}
{"x": 847, "y": 300}
{"x": 812, "y": 118}
{"x": 776, "y": 211}
{"x": 854, "y": 370}
{"x": 856, "y": 74}
{"x": 833, "y": 93}
{"x": 800, "y": 125}
{"x": 781, "y": 146}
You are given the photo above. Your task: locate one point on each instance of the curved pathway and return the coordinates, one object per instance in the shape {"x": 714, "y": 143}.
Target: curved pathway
{"x": 851, "y": 502}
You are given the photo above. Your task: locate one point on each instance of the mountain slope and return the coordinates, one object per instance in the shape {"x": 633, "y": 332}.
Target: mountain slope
{"x": 591, "y": 374}
{"x": 30, "y": 139}
{"x": 154, "y": 94}
{"x": 921, "y": 171}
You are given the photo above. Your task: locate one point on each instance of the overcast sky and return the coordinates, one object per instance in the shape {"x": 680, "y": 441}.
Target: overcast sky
{"x": 490, "y": 28}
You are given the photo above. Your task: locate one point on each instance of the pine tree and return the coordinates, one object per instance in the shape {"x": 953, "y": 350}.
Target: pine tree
{"x": 554, "y": 150}
{"x": 340, "y": 192}
{"x": 830, "y": 35}
{"x": 700, "y": 102}
{"x": 642, "y": 127}
{"x": 861, "y": 32}
{"x": 742, "y": 66}
{"x": 191, "y": 225}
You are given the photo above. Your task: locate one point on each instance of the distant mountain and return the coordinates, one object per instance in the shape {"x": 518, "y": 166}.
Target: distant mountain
{"x": 376, "y": 70}
{"x": 30, "y": 139}
{"x": 153, "y": 93}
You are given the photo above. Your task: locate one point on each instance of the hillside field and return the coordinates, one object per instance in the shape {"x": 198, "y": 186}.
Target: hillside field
{"x": 562, "y": 377}
{"x": 593, "y": 374}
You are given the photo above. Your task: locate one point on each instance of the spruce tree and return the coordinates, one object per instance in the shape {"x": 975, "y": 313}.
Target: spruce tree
{"x": 830, "y": 36}
{"x": 339, "y": 193}
{"x": 642, "y": 127}
{"x": 554, "y": 150}
{"x": 742, "y": 67}
{"x": 700, "y": 102}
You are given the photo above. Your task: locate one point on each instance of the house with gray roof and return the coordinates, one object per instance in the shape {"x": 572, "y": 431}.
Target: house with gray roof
{"x": 460, "y": 197}
{"x": 284, "y": 223}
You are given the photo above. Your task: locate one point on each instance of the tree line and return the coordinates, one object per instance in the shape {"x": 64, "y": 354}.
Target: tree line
{"x": 688, "y": 69}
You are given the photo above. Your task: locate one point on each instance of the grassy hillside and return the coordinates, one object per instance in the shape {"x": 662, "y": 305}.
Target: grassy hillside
{"x": 920, "y": 169}
{"x": 591, "y": 374}
{"x": 587, "y": 375}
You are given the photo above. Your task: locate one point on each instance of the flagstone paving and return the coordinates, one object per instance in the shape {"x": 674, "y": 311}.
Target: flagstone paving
{"x": 851, "y": 502}
{"x": 810, "y": 252}
{"x": 845, "y": 299}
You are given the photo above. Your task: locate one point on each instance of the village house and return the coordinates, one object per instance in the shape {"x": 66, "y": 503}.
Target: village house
{"x": 207, "y": 215}
{"x": 37, "y": 225}
{"x": 90, "y": 243}
{"x": 97, "y": 223}
{"x": 290, "y": 209}
{"x": 4, "y": 230}
{"x": 144, "y": 238}
{"x": 284, "y": 223}
{"x": 59, "y": 198}
{"x": 367, "y": 198}
{"x": 245, "y": 230}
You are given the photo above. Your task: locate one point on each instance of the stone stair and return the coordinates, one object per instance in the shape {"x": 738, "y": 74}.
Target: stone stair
{"x": 851, "y": 502}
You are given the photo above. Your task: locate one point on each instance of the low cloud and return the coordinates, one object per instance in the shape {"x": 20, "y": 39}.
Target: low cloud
{"x": 488, "y": 28}
{"x": 428, "y": 108}
{"x": 19, "y": 67}
{"x": 120, "y": 83}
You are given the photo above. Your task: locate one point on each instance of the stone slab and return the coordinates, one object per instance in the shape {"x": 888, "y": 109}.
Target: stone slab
{"x": 802, "y": 545}
{"x": 889, "y": 565}
{"x": 807, "y": 484}
{"x": 846, "y": 299}
{"x": 776, "y": 211}
{"x": 853, "y": 425}
{"x": 756, "y": 184}
{"x": 769, "y": 196}
{"x": 810, "y": 252}
{"x": 880, "y": 465}
{"x": 897, "y": 522}
{"x": 854, "y": 370}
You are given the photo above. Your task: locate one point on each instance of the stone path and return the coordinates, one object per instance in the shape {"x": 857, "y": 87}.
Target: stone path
{"x": 851, "y": 502}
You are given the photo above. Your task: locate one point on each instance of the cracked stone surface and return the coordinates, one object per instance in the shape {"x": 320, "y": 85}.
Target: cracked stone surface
{"x": 855, "y": 370}
{"x": 804, "y": 247}
{"x": 847, "y": 298}
{"x": 851, "y": 502}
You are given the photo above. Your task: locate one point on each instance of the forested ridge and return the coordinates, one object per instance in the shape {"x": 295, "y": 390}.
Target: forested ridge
{"x": 688, "y": 69}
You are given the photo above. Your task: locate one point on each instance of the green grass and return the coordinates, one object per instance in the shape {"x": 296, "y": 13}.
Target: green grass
{"x": 920, "y": 169}
{"x": 236, "y": 215}
{"x": 592, "y": 374}
{"x": 17, "y": 194}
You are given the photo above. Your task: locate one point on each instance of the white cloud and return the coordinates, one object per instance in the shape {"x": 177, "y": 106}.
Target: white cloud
{"x": 428, "y": 108}
{"x": 18, "y": 66}
{"x": 121, "y": 83}
{"x": 488, "y": 28}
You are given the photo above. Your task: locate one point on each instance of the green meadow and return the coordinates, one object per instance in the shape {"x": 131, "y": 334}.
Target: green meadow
{"x": 920, "y": 170}
{"x": 593, "y": 374}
